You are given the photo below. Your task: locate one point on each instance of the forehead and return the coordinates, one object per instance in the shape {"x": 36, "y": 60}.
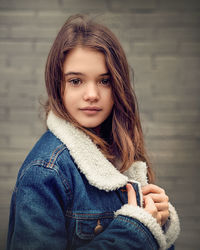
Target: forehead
{"x": 85, "y": 60}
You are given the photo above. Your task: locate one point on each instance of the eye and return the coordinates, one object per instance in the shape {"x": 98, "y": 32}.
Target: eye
{"x": 105, "y": 81}
{"x": 75, "y": 81}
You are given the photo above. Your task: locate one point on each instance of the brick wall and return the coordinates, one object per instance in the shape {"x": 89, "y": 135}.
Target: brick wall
{"x": 162, "y": 42}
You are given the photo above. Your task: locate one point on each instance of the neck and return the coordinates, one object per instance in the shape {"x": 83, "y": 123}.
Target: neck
{"x": 97, "y": 130}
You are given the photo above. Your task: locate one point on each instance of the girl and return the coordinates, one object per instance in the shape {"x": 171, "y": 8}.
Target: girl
{"x": 86, "y": 183}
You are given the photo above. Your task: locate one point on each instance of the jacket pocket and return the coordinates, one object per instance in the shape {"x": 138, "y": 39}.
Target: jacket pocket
{"x": 88, "y": 225}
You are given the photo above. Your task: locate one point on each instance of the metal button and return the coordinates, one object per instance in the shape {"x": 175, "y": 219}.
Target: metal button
{"x": 98, "y": 229}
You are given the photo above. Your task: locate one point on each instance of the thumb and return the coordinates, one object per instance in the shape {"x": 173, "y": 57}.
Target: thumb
{"x": 131, "y": 195}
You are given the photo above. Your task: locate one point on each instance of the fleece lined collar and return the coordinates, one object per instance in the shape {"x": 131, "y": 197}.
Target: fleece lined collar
{"x": 89, "y": 159}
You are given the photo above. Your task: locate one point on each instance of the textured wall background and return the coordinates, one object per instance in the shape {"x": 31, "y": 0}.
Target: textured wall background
{"x": 162, "y": 42}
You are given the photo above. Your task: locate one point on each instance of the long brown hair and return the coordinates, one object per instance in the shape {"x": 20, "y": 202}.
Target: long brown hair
{"x": 122, "y": 135}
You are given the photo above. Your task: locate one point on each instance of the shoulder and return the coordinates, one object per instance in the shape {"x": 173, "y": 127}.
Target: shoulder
{"x": 45, "y": 146}
{"x": 47, "y": 150}
{"x": 49, "y": 158}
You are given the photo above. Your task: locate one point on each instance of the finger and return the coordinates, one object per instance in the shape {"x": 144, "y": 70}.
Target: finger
{"x": 158, "y": 197}
{"x": 131, "y": 195}
{"x": 162, "y": 206}
{"x": 151, "y": 188}
{"x": 163, "y": 210}
{"x": 164, "y": 217}
{"x": 164, "y": 214}
{"x": 159, "y": 219}
{"x": 149, "y": 206}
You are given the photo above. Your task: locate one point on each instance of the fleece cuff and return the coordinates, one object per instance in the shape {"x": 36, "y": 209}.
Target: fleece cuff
{"x": 172, "y": 226}
{"x": 145, "y": 218}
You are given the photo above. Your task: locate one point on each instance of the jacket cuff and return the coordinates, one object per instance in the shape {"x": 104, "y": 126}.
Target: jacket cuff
{"x": 172, "y": 226}
{"x": 145, "y": 218}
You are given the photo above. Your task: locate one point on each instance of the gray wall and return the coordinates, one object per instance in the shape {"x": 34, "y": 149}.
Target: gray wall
{"x": 162, "y": 42}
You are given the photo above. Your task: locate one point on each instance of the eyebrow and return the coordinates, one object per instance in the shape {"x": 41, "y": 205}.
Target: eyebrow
{"x": 79, "y": 73}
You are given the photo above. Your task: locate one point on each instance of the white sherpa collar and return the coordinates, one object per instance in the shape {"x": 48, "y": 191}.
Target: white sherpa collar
{"x": 137, "y": 172}
{"x": 89, "y": 159}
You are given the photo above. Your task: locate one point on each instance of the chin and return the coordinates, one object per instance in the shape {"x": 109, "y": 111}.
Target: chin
{"x": 89, "y": 124}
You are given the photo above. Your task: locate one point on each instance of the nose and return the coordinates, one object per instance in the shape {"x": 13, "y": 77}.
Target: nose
{"x": 91, "y": 93}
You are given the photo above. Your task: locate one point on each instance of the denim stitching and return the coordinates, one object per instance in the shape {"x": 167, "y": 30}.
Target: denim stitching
{"x": 31, "y": 164}
{"x": 53, "y": 159}
{"x": 80, "y": 233}
{"x": 83, "y": 218}
{"x": 54, "y": 155}
{"x": 44, "y": 163}
{"x": 100, "y": 215}
{"x": 63, "y": 179}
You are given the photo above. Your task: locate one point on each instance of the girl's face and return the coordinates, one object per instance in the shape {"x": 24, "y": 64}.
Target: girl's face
{"x": 87, "y": 92}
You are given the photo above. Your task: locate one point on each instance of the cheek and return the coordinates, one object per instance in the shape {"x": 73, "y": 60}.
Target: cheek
{"x": 69, "y": 98}
{"x": 65, "y": 98}
{"x": 110, "y": 102}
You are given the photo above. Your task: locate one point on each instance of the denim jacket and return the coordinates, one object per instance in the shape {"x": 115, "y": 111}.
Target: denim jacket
{"x": 69, "y": 196}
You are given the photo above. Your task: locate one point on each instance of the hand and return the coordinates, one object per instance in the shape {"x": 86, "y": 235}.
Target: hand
{"x": 160, "y": 199}
{"x": 149, "y": 205}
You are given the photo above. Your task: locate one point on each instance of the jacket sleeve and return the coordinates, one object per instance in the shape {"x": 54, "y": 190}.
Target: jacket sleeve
{"x": 37, "y": 219}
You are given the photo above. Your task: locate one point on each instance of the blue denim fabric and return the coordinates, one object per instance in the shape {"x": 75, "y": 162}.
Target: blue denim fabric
{"x": 54, "y": 207}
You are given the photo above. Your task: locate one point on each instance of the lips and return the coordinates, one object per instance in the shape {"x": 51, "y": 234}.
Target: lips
{"x": 90, "y": 110}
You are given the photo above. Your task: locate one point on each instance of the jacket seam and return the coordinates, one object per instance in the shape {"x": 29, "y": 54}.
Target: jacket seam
{"x": 39, "y": 163}
{"x": 55, "y": 155}
{"x": 100, "y": 215}
{"x": 83, "y": 218}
